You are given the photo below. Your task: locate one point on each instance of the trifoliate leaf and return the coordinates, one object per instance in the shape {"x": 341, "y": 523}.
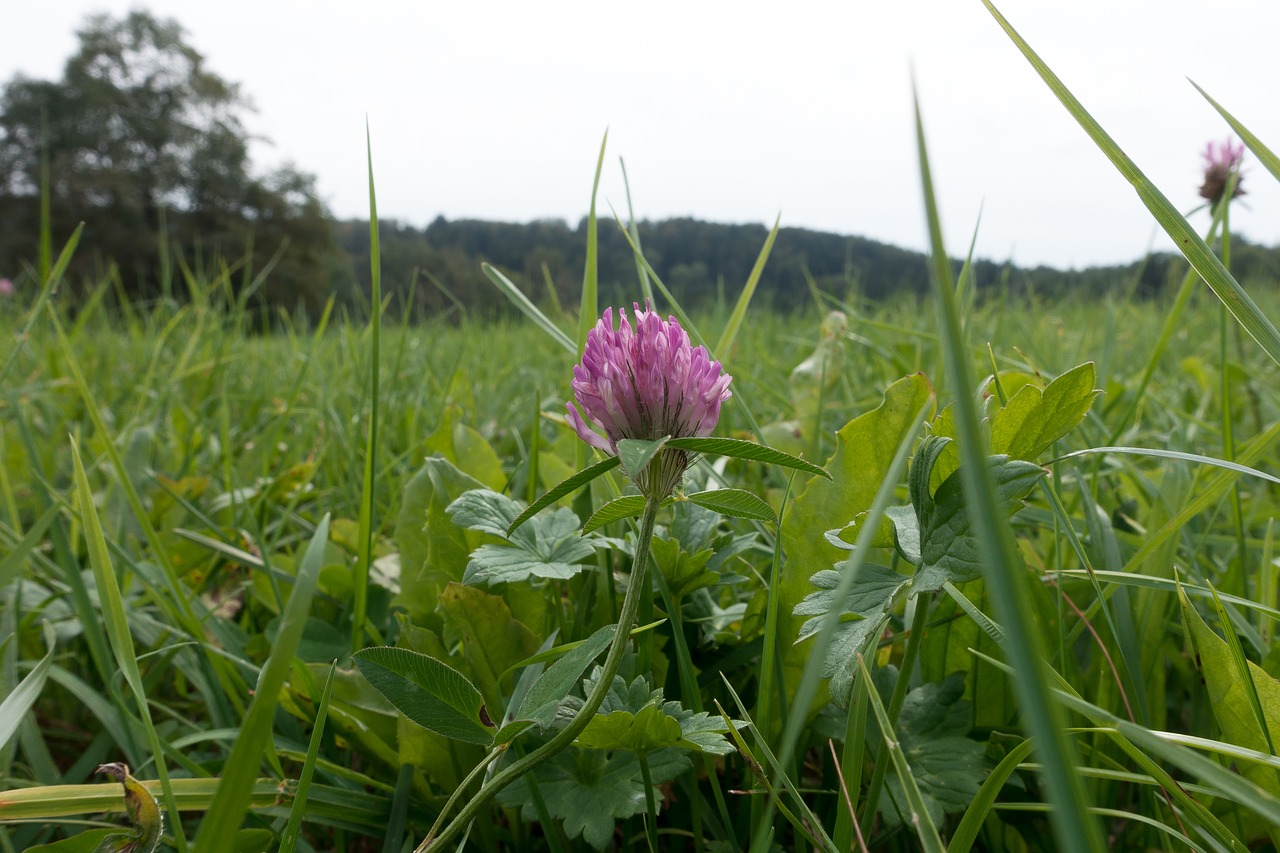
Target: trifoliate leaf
{"x": 591, "y": 790}
{"x": 862, "y": 617}
{"x": 547, "y": 547}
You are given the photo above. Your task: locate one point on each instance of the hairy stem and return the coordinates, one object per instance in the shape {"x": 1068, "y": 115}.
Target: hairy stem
{"x": 566, "y": 736}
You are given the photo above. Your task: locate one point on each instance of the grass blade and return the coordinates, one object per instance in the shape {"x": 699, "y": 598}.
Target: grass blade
{"x": 289, "y": 840}
{"x": 1265, "y": 155}
{"x": 232, "y": 798}
{"x": 1196, "y": 251}
{"x": 1075, "y": 828}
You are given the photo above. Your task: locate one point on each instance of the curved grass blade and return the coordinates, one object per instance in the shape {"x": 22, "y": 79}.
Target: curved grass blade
{"x": 289, "y": 840}
{"x": 364, "y": 558}
{"x": 231, "y": 799}
{"x": 542, "y": 321}
{"x": 14, "y": 708}
{"x": 1265, "y": 155}
{"x": 1196, "y": 251}
{"x": 645, "y": 288}
{"x": 725, "y": 344}
{"x": 117, "y": 627}
{"x": 740, "y": 448}
{"x": 567, "y": 486}
{"x": 1172, "y": 454}
{"x": 970, "y": 825}
{"x": 589, "y": 309}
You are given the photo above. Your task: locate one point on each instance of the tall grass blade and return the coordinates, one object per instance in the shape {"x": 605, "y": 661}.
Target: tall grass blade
{"x": 589, "y": 307}
{"x": 360, "y": 579}
{"x": 117, "y": 626}
{"x": 232, "y": 799}
{"x": 1074, "y": 827}
{"x": 1265, "y": 155}
{"x": 289, "y": 840}
{"x": 1196, "y": 251}
{"x": 725, "y": 344}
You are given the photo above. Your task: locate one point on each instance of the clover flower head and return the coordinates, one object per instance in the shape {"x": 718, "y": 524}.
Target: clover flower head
{"x": 1219, "y": 161}
{"x": 6, "y": 287}
{"x": 646, "y": 382}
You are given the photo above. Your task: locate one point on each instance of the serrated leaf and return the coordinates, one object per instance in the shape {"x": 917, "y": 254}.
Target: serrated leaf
{"x": 865, "y": 448}
{"x": 864, "y": 613}
{"x": 736, "y": 503}
{"x": 547, "y": 547}
{"x": 948, "y": 767}
{"x": 644, "y": 730}
{"x": 636, "y": 453}
{"x": 1033, "y": 419}
{"x": 591, "y": 790}
{"x": 948, "y": 548}
{"x": 740, "y": 449}
{"x": 566, "y": 486}
{"x": 617, "y": 509}
{"x": 684, "y": 572}
{"x": 559, "y": 679}
{"x": 427, "y": 691}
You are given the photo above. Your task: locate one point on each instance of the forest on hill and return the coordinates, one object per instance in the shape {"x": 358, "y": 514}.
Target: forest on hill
{"x": 145, "y": 150}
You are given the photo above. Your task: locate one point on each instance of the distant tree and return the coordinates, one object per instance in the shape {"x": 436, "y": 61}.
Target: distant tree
{"x": 144, "y": 143}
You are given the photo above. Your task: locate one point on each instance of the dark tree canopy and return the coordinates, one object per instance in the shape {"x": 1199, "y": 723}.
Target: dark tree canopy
{"x": 145, "y": 144}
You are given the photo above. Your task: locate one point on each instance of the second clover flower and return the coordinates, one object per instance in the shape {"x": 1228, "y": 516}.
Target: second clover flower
{"x": 646, "y": 383}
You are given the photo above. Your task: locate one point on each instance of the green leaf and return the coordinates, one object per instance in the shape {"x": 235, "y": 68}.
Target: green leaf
{"x": 517, "y": 297}
{"x": 559, "y": 679}
{"x": 427, "y": 691}
{"x": 645, "y": 729}
{"x": 569, "y": 485}
{"x": 1032, "y": 419}
{"x": 684, "y": 572}
{"x": 1229, "y": 698}
{"x": 948, "y": 767}
{"x": 741, "y": 449}
{"x": 865, "y": 448}
{"x": 591, "y": 790}
{"x": 617, "y": 509}
{"x": 492, "y": 640}
{"x": 736, "y": 503}
{"x": 547, "y": 547}
{"x": 433, "y": 550}
{"x": 636, "y": 454}
{"x": 89, "y": 841}
{"x": 864, "y": 613}
{"x": 14, "y": 708}
{"x": 949, "y": 548}
{"x": 635, "y": 718}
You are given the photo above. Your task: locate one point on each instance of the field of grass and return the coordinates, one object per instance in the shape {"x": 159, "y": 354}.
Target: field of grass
{"x": 262, "y": 578}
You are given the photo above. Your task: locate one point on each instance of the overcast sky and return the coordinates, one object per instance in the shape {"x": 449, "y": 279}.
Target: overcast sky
{"x": 738, "y": 111}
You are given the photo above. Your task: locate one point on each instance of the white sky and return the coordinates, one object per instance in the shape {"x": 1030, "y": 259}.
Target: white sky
{"x": 738, "y": 111}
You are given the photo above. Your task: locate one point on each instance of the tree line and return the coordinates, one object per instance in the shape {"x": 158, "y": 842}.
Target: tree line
{"x": 147, "y": 147}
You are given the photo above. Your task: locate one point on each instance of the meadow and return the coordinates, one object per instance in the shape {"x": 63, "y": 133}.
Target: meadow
{"x": 1006, "y": 581}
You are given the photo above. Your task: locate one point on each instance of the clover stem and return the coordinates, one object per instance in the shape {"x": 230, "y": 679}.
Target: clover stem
{"x": 566, "y": 736}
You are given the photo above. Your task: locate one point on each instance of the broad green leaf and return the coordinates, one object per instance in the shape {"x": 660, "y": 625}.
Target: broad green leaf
{"x": 865, "y": 447}
{"x": 427, "y": 691}
{"x": 735, "y": 503}
{"x": 1032, "y": 419}
{"x": 627, "y": 506}
{"x": 571, "y": 484}
{"x": 591, "y": 790}
{"x": 741, "y": 449}
{"x": 645, "y": 729}
{"x": 932, "y": 732}
{"x": 864, "y": 613}
{"x": 949, "y": 548}
{"x": 559, "y": 679}
{"x": 433, "y": 550}
{"x": 636, "y": 454}
{"x": 547, "y": 547}
{"x": 1228, "y": 696}
{"x": 492, "y": 640}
